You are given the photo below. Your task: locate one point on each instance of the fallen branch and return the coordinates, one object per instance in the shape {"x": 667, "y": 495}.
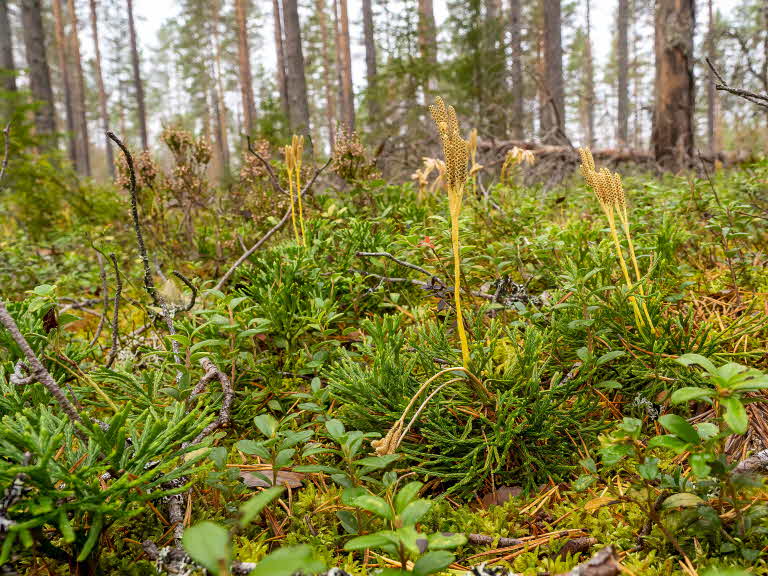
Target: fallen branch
{"x": 38, "y": 371}
{"x": 212, "y": 372}
{"x": 755, "y": 464}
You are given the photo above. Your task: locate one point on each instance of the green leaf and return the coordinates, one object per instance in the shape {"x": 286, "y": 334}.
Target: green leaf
{"x": 667, "y": 441}
{"x": 432, "y": 562}
{"x": 699, "y": 465}
{"x": 680, "y": 427}
{"x": 649, "y": 470}
{"x": 288, "y": 561}
{"x": 377, "y": 462}
{"x": 415, "y": 511}
{"x": 65, "y": 527}
{"x": 93, "y": 537}
{"x": 266, "y": 424}
{"x": 335, "y": 429}
{"x": 256, "y": 504}
{"x": 735, "y": 415}
{"x": 697, "y": 360}
{"x": 374, "y": 504}
{"x": 691, "y": 393}
{"x": 441, "y": 541}
{"x": 682, "y": 500}
{"x": 254, "y": 448}
{"x": 208, "y": 545}
{"x": 406, "y": 495}
{"x": 376, "y": 540}
{"x": 707, "y": 430}
{"x": 612, "y": 355}
{"x": 284, "y": 457}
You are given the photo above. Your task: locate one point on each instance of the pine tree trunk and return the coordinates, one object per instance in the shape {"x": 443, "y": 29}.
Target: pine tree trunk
{"x": 82, "y": 143}
{"x": 589, "y": 88}
{"x": 428, "y": 42}
{"x": 66, "y": 80}
{"x": 294, "y": 66}
{"x": 622, "y": 64}
{"x": 674, "y": 102}
{"x": 348, "y": 97}
{"x": 517, "y": 112}
{"x": 553, "y": 117}
{"x": 39, "y": 72}
{"x": 100, "y": 85}
{"x": 330, "y": 99}
{"x": 711, "y": 97}
{"x": 244, "y": 60}
{"x": 7, "y": 67}
{"x": 282, "y": 84}
{"x": 221, "y": 111}
{"x": 370, "y": 63}
{"x": 137, "y": 83}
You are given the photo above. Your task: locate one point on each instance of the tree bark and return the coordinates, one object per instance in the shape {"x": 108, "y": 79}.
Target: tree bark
{"x": 516, "y": 70}
{"x": 100, "y": 85}
{"x": 66, "y": 79}
{"x": 622, "y": 64}
{"x": 589, "y": 88}
{"x": 296, "y": 81}
{"x": 7, "y": 67}
{"x": 330, "y": 99}
{"x": 553, "y": 117}
{"x": 138, "y": 84}
{"x": 428, "y": 42}
{"x": 244, "y": 60}
{"x": 221, "y": 111}
{"x": 82, "y": 142}
{"x": 370, "y": 63}
{"x": 711, "y": 96}
{"x": 674, "y": 102}
{"x": 282, "y": 85}
{"x": 37, "y": 62}
{"x": 348, "y": 97}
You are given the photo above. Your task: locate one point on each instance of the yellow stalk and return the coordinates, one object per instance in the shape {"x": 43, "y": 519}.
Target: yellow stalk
{"x": 299, "y": 152}
{"x": 457, "y": 279}
{"x": 457, "y": 154}
{"x": 623, "y": 264}
{"x": 289, "y": 167}
{"x": 623, "y": 216}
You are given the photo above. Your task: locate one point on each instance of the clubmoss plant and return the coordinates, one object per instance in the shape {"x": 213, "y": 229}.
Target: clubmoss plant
{"x": 610, "y": 193}
{"x": 293, "y": 156}
{"x": 456, "y": 152}
{"x": 514, "y": 158}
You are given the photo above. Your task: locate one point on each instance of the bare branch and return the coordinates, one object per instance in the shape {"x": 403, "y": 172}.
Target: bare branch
{"x": 149, "y": 283}
{"x": 212, "y": 372}
{"x": 272, "y": 176}
{"x": 394, "y": 259}
{"x": 105, "y": 297}
{"x": 115, "y": 327}
{"x": 189, "y": 285}
{"x": 758, "y": 99}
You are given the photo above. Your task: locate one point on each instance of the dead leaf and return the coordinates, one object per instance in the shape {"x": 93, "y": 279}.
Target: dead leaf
{"x": 284, "y": 477}
{"x": 499, "y": 496}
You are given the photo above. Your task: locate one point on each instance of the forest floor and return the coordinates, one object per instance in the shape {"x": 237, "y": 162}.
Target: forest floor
{"x": 610, "y": 393}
